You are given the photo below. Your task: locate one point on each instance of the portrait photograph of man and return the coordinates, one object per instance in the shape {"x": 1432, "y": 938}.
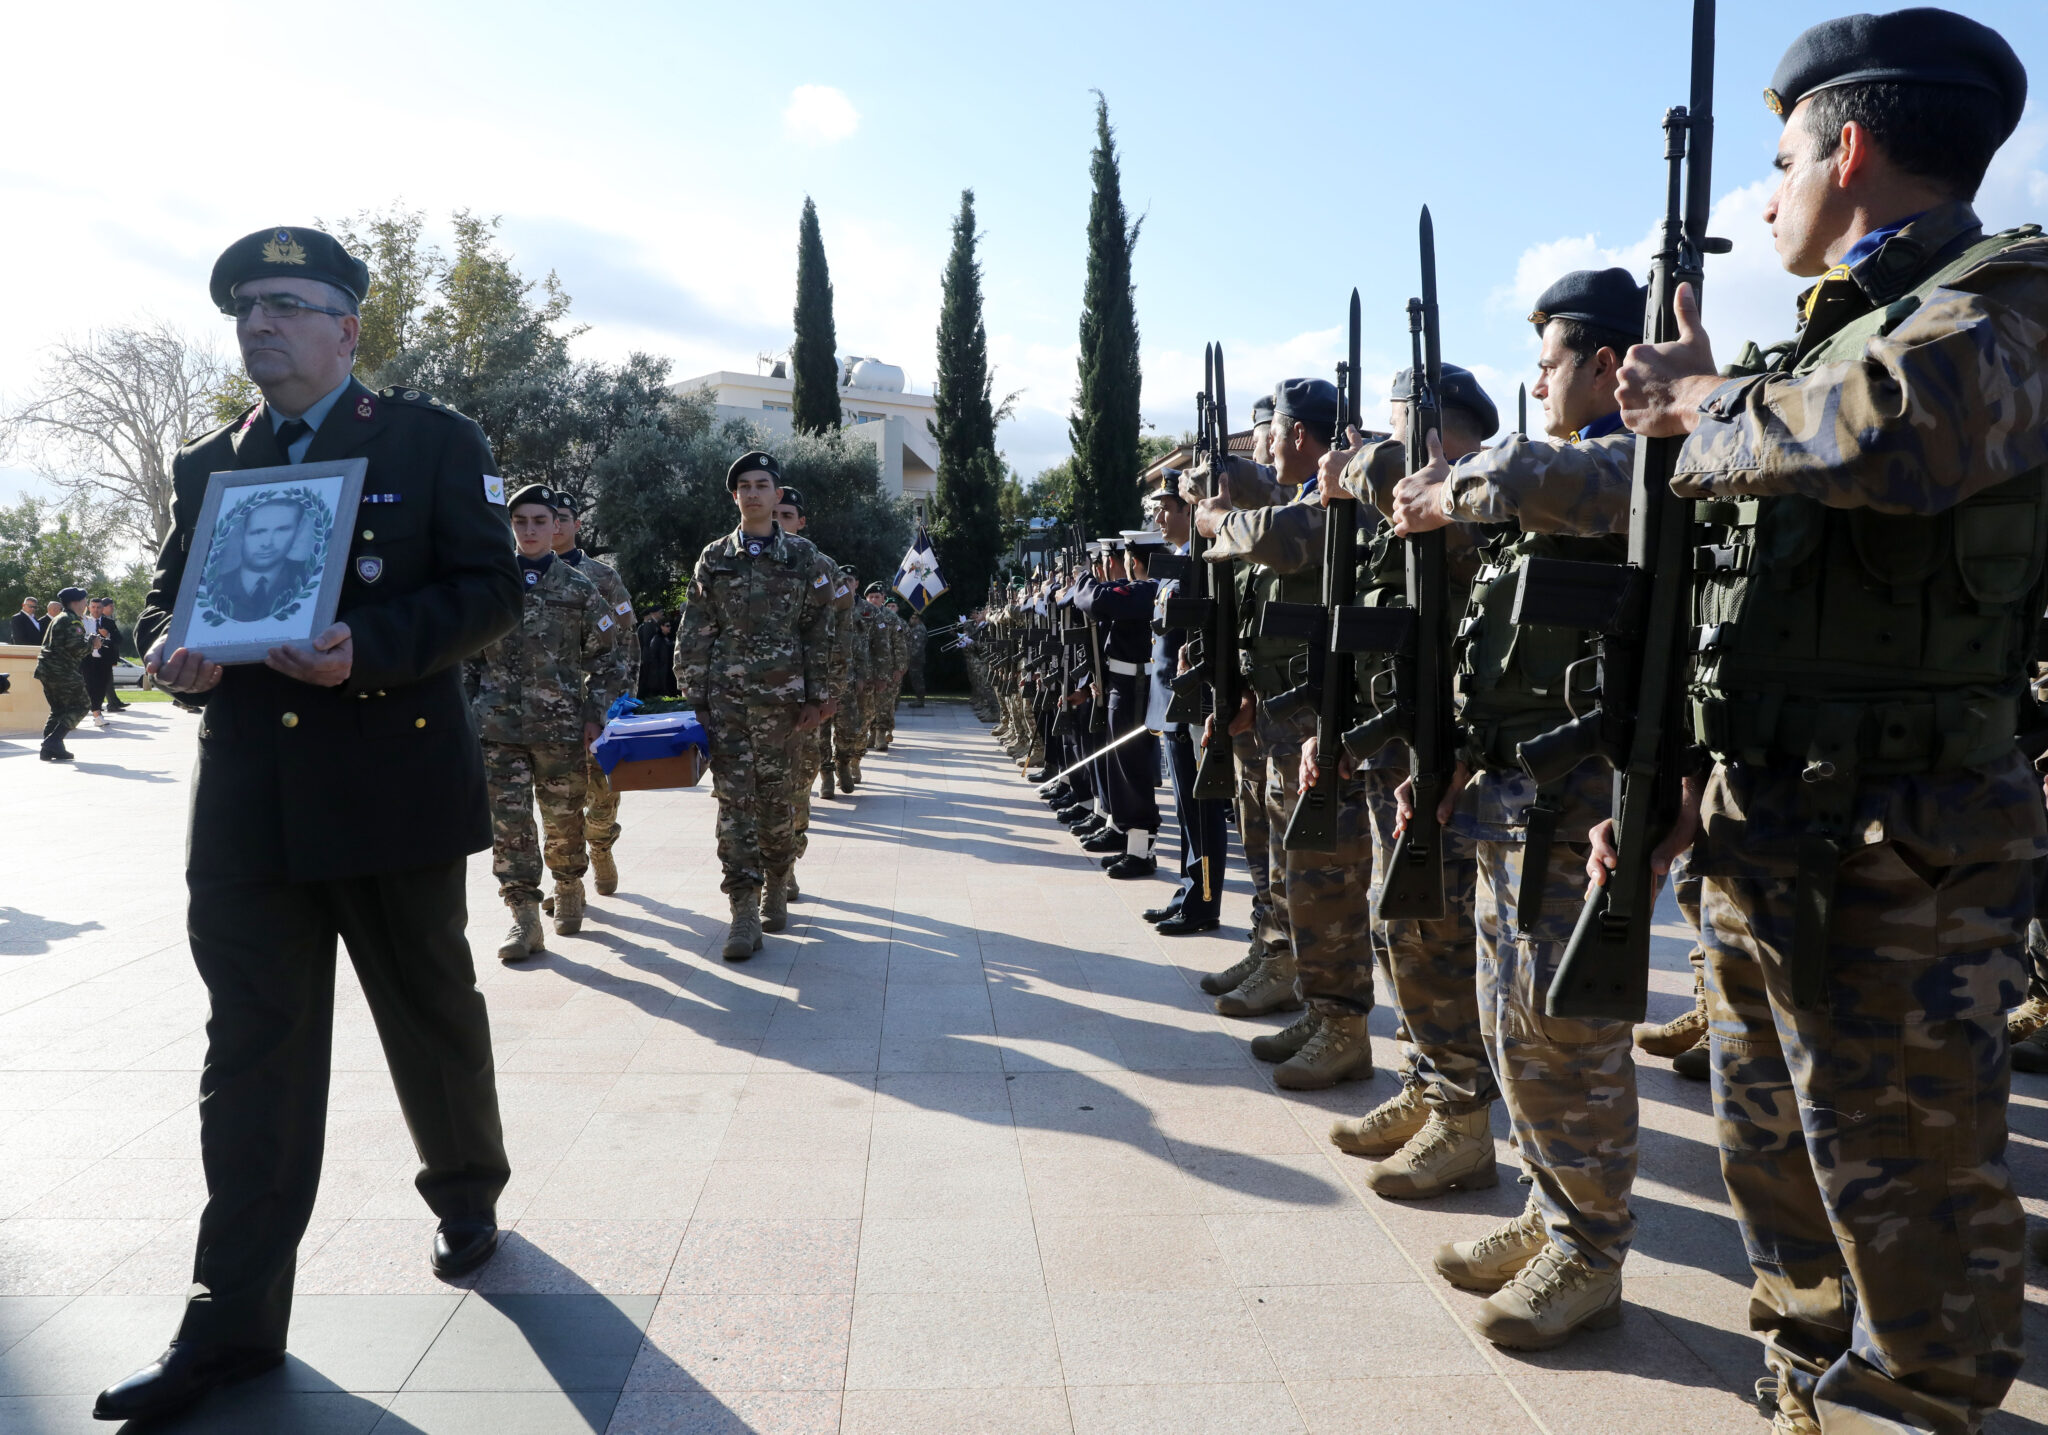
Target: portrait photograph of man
{"x": 266, "y": 562}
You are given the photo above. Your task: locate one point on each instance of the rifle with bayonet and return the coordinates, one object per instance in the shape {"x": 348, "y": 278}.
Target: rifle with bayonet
{"x": 1642, "y": 613}
{"x": 1417, "y": 680}
{"x": 1522, "y": 411}
{"x": 1210, "y": 614}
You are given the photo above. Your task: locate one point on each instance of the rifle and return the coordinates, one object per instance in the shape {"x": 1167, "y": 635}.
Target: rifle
{"x": 1098, "y": 709}
{"x": 1641, "y": 610}
{"x": 1418, "y": 639}
{"x": 1211, "y": 613}
{"x": 1313, "y": 827}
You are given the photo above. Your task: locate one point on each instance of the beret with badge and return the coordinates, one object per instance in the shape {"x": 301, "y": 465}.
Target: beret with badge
{"x": 536, "y": 493}
{"x": 1919, "y": 46}
{"x": 1461, "y": 391}
{"x": 794, "y": 499}
{"x": 1605, "y": 298}
{"x": 1307, "y": 401}
{"x": 287, "y": 254}
{"x": 754, "y": 461}
{"x": 567, "y": 502}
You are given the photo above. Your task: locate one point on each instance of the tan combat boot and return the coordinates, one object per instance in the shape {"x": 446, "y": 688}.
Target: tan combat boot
{"x": 1281, "y": 1044}
{"x": 1340, "y": 1049}
{"x": 1386, "y": 1128}
{"x": 1681, "y": 1033}
{"x": 1490, "y": 1262}
{"x": 743, "y": 937}
{"x": 1549, "y": 1298}
{"x": 2026, "y": 1019}
{"x": 1449, "y": 1153}
{"x": 827, "y": 774}
{"x": 568, "y": 906}
{"x": 604, "y": 873}
{"x": 1268, "y": 987}
{"x": 846, "y": 779}
{"x": 1217, "y": 983}
{"x": 526, "y": 937}
{"x": 775, "y": 901}
{"x": 792, "y": 892}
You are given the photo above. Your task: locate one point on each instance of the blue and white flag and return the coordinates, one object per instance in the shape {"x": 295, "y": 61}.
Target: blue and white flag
{"x": 917, "y": 577}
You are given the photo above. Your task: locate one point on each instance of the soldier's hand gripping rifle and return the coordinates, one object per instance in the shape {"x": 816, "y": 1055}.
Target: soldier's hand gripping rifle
{"x": 1642, "y": 612}
{"x": 1313, "y": 827}
{"x": 1212, "y": 613}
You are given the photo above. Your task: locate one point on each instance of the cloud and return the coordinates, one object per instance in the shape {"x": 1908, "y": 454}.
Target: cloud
{"x": 819, "y": 115}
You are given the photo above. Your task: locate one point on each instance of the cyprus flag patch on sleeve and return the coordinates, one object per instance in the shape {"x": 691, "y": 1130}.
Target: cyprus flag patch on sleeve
{"x": 494, "y": 489}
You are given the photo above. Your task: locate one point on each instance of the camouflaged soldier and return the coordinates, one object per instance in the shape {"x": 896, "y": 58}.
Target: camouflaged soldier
{"x": 1872, "y": 499}
{"x": 850, "y": 728}
{"x": 810, "y": 746}
{"x": 917, "y": 636}
{"x": 849, "y": 654}
{"x": 892, "y": 654}
{"x": 752, "y": 660}
{"x": 58, "y": 669}
{"x": 1569, "y": 1084}
{"x": 601, "y": 804}
{"x": 538, "y": 696}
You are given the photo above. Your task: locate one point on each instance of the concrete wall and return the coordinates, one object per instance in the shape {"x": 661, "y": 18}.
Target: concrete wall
{"x": 22, "y": 709}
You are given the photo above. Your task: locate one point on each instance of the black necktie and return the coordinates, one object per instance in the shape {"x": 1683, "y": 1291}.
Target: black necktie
{"x": 290, "y": 432}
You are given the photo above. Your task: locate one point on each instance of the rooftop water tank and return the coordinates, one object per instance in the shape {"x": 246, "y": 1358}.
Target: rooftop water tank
{"x": 874, "y": 374}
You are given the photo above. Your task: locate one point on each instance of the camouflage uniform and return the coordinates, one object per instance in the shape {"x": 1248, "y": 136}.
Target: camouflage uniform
{"x": 810, "y": 746}
{"x": 531, "y": 692}
{"x": 891, "y": 655}
{"x": 1268, "y": 919}
{"x": 914, "y": 637}
{"x": 1863, "y": 1141}
{"x": 601, "y": 804}
{"x": 850, "y": 726}
{"x": 59, "y": 670}
{"x": 753, "y": 648}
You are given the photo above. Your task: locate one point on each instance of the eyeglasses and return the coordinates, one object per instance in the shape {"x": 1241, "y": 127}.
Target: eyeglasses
{"x": 275, "y": 306}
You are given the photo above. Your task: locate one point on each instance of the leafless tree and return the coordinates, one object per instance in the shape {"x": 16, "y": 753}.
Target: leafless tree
{"x": 110, "y": 413}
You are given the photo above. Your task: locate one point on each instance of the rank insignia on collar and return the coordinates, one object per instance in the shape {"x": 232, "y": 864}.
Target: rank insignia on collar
{"x": 281, "y": 248}
{"x": 365, "y": 407}
{"x": 369, "y": 568}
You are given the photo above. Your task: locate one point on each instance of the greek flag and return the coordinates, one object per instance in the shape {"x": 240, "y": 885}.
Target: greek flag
{"x": 917, "y": 577}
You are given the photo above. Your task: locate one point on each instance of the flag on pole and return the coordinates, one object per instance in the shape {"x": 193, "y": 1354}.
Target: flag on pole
{"x": 917, "y": 577}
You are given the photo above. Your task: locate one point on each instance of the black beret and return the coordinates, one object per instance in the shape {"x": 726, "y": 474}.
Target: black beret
{"x": 68, "y": 596}
{"x": 1460, "y": 390}
{"x": 794, "y": 499}
{"x": 567, "y": 502}
{"x": 1920, "y": 46}
{"x": 535, "y": 493}
{"x": 847, "y": 569}
{"x": 1262, "y": 410}
{"x": 750, "y": 463}
{"x": 875, "y": 587}
{"x": 1309, "y": 401}
{"x": 287, "y": 254}
{"x": 1609, "y": 298}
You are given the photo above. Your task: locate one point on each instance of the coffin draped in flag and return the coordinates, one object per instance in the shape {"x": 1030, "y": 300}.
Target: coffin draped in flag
{"x": 917, "y": 577}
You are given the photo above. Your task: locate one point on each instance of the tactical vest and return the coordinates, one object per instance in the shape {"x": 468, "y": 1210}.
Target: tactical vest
{"x": 1511, "y": 680}
{"x": 1855, "y": 641}
{"x": 1277, "y": 664}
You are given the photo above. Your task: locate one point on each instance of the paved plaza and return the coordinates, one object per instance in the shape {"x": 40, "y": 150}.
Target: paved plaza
{"x": 965, "y": 1150}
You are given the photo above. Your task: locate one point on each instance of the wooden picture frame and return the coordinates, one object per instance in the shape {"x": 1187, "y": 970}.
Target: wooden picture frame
{"x": 246, "y": 591}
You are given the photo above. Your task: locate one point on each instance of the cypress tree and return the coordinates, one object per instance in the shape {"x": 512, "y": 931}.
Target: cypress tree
{"x": 814, "y": 369}
{"x": 967, "y": 526}
{"x": 1104, "y": 426}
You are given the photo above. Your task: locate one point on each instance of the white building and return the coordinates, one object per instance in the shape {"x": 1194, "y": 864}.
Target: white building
{"x": 873, "y": 402}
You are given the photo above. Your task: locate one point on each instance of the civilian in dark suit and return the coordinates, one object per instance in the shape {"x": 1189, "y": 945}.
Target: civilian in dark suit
{"x": 337, "y": 794}
{"x": 100, "y": 663}
{"x": 26, "y": 627}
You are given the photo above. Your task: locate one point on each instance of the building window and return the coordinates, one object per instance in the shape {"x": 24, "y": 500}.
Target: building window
{"x": 776, "y": 408}
{"x": 861, "y": 418}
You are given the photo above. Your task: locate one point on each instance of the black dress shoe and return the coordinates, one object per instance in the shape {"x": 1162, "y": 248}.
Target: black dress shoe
{"x": 1108, "y": 839}
{"x": 1180, "y": 924}
{"x": 461, "y": 1246}
{"x": 1074, "y": 816}
{"x": 1127, "y": 867}
{"x": 1037, "y": 774}
{"x": 183, "y": 1373}
{"x": 1160, "y": 914}
{"x": 1089, "y": 827}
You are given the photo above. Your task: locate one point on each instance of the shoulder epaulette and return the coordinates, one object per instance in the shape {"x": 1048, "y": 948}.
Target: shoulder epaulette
{"x": 418, "y": 398}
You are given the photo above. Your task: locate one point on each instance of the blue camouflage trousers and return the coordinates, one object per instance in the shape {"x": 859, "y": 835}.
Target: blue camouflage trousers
{"x": 1569, "y": 1084}
{"x": 1863, "y": 1143}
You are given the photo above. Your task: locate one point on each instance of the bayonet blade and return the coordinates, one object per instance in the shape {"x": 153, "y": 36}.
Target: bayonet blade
{"x": 1432, "y": 348}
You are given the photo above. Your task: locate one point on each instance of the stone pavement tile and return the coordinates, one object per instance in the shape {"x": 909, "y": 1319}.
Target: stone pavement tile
{"x": 1401, "y": 1405}
{"x": 130, "y": 1091}
{"x": 991, "y": 1186}
{"x": 937, "y": 1054}
{"x": 25, "y": 1091}
{"x": 90, "y": 1343}
{"x": 807, "y": 1091}
{"x": 829, "y": 1054}
{"x": 940, "y": 1255}
{"x": 1131, "y": 1253}
{"x": 127, "y": 1189}
{"x": 1108, "y": 1184}
{"x": 911, "y": 970}
{"x": 793, "y": 1190}
{"x": 796, "y": 1136}
{"x": 1597, "y": 1401}
{"x": 1106, "y": 1126}
{"x": 720, "y": 1342}
{"x": 346, "y": 1186}
{"x": 74, "y": 1133}
{"x": 950, "y": 1412}
{"x": 162, "y": 1267}
{"x": 1702, "y": 1313}
{"x": 1158, "y": 1338}
{"x": 1342, "y": 1332}
{"x": 916, "y": 1134}
{"x": 583, "y": 1054}
{"x": 736, "y": 1412}
{"x": 963, "y": 1091}
{"x": 367, "y": 1136}
{"x": 377, "y": 1258}
{"x": 766, "y": 1256}
{"x": 1086, "y": 1049}
{"x": 696, "y": 1093}
{"x": 498, "y": 1413}
{"x": 953, "y": 1341}
{"x": 645, "y": 1135}
{"x": 1164, "y": 1048}
{"x": 535, "y": 1342}
{"x": 21, "y": 1314}
{"x": 696, "y": 1053}
{"x": 29, "y": 1179}
{"x": 255, "y": 1408}
{"x": 1309, "y": 1248}
{"x": 647, "y": 1188}
{"x": 66, "y": 1257}
{"x": 1250, "y": 1408}
{"x": 1226, "y": 1182}
{"x": 359, "y": 1342}
{"x": 49, "y": 1415}
{"x": 1253, "y": 1126}
{"x": 583, "y": 1257}
{"x": 174, "y": 1137}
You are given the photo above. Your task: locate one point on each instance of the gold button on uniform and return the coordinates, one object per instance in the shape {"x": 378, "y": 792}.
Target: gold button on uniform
{"x": 290, "y": 719}
{"x": 419, "y": 722}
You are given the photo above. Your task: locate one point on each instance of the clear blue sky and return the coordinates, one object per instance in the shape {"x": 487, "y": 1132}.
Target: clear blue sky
{"x": 653, "y": 155}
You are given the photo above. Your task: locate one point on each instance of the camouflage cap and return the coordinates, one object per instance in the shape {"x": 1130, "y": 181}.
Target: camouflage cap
{"x": 287, "y": 254}
{"x": 1919, "y": 46}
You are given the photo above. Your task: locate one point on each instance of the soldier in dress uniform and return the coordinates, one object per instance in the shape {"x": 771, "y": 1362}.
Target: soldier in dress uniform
{"x": 1122, "y": 606}
{"x": 1196, "y": 904}
{"x": 338, "y": 793}
{"x": 1874, "y": 494}
{"x": 539, "y": 696}
{"x": 752, "y": 660}
{"x": 601, "y": 804}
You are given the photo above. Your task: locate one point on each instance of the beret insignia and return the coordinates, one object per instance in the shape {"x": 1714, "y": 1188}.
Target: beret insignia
{"x": 1772, "y": 103}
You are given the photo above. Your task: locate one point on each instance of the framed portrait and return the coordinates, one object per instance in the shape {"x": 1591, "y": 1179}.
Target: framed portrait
{"x": 268, "y": 555}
